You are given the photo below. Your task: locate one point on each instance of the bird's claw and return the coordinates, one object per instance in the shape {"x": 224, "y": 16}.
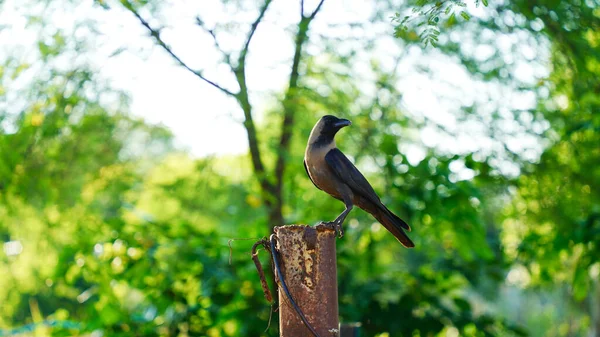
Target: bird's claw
{"x": 339, "y": 230}
{"x": 337, "y": 227}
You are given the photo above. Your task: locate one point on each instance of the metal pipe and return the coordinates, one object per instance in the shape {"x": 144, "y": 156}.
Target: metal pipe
{"x": 308, "y": 264}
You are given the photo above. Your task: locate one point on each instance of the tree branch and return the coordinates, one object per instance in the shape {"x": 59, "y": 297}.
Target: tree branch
{"x": 155, "y": 33}
{"x": 267, "y": 187}
{"x": 226, "y": 55}
{"x": 289, "y": 104}
{"x": 314, "y": 13}
{"x": 244, "y": 101}
{"x": 244, "y": 51}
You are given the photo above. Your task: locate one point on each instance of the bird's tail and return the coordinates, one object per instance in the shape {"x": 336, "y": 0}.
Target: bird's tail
{"x": 395, "y": 225}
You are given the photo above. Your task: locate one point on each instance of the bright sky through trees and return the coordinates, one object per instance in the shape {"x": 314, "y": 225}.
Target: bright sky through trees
{"x": 206, "y": 122}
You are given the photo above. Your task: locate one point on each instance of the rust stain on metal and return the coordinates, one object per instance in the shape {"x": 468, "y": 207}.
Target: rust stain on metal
{"x": 309, "y": 267}
{"x": 310, "y": 237}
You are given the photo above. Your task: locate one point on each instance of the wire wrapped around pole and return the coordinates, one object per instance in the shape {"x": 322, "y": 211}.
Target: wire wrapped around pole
{"x": 261, "y": 273}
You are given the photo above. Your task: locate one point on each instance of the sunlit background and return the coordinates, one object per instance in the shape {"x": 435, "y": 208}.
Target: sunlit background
{"x": 123, "y": 174}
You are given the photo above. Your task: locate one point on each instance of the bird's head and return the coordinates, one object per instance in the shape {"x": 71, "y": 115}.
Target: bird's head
{"x": 324, "y": 131}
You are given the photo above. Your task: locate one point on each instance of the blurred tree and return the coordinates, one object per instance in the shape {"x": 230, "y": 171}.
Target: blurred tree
{"x": 556, "y": 210}
{"x": 59, "y": 144}
{"x": 271, "y": 184}
{"x": 552, "y": 221}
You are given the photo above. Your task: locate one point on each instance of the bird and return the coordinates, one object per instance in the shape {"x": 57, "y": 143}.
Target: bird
{"x": 332, "y": 172}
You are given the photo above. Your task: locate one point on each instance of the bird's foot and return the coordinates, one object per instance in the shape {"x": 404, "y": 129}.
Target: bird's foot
{"x": 336, "y": 226}
{"x": 339, "y": 230}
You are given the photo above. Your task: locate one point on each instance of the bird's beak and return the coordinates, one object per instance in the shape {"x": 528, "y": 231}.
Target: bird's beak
{"x": 342, "y": 122}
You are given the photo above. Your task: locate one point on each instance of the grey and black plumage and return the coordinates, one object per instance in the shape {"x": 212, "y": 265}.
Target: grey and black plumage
{"x": 330, "y": 171}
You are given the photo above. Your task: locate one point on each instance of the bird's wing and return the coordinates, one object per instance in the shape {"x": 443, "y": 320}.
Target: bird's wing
{"x": 350, "y": 175}
{"x": 308, "y": 174}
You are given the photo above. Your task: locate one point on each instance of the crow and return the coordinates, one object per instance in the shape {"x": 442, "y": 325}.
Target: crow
{"x": 330, "y": 171}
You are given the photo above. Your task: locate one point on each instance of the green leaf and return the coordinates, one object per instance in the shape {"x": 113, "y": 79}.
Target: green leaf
{"x": 452, "y": 20}
{"x": 44, "y": 49}
{"x": 465, "y": 15}
{"x": 463, "y": 305}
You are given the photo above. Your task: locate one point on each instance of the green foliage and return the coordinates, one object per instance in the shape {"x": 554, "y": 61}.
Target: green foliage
{"x": 558, "y": 199}
{"x": 107, "y": 228}
{"x": 425, "y": 19}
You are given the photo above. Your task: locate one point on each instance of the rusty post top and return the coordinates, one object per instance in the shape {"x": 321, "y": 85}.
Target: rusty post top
{"x": 321, "y": 227}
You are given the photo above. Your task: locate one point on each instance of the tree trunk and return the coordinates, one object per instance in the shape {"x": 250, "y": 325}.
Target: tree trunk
{"x": 275, "y": 215}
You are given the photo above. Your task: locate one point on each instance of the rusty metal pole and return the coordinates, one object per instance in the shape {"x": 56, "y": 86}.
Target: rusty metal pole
{"x": 308, "y": 262}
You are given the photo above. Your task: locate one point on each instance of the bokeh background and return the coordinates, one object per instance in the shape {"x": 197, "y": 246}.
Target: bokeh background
{"x": 137, "y": 137}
